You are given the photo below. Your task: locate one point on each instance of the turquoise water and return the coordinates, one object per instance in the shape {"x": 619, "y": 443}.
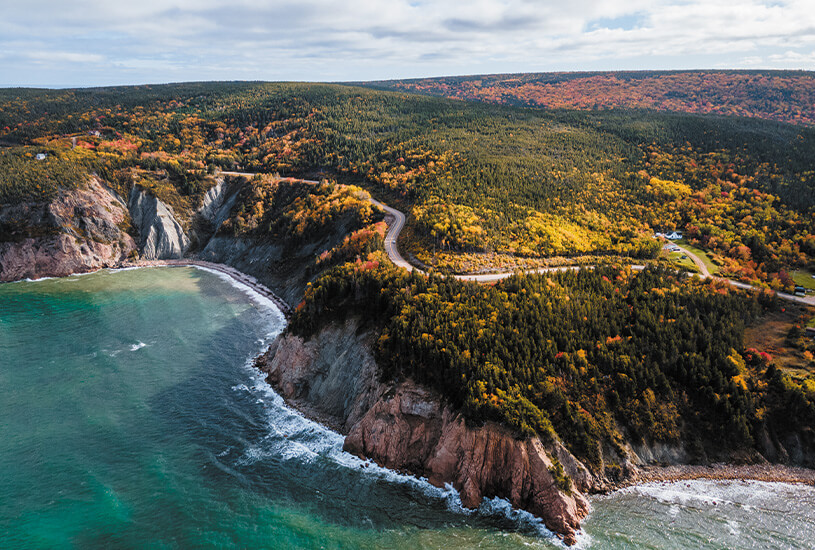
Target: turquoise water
{"x": 131, "y": 419}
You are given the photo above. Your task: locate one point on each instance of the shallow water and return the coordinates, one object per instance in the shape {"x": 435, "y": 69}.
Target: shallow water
{"x": 130, "y": 418}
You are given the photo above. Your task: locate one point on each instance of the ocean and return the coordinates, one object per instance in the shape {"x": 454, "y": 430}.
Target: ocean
{"x": 132, "y": 418}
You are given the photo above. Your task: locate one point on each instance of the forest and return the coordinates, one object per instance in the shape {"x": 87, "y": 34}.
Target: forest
{"x": 785, "y": 96}
{"x": 597, "y": 357}
{"x": 482, "y": 184}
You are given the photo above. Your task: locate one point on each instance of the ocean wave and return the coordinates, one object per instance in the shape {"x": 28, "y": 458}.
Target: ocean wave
{"x": 698, "y": 493}
{"x": 253, "y": 294}
{"x": 292, "y": 436}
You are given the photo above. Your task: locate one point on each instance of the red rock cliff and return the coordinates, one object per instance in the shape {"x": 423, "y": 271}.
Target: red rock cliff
{"x": 333, "y": 378}
{"x": 78, "y": 231}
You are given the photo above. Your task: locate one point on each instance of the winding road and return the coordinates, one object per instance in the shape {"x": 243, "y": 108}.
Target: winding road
{"x": 396, "y": 222}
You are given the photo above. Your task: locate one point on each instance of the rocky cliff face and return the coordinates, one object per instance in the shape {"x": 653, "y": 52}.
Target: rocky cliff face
{"x": 333, "y": 378}
{"x": 408, "y": 429}
{"x": 79, "y": 231}
{"x": 161, "y": 236}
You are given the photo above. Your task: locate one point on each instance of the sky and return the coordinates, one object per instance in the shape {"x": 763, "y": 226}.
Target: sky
{"x": 59, "y": 43}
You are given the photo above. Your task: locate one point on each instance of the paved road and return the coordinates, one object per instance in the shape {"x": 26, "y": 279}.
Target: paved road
{"x": 705, "y": 273}
{"x": 396, "y": 222}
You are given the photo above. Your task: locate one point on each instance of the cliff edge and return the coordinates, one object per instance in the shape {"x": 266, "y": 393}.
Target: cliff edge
{"x": 333, "y": 378}
{"x": 80, "y": 230}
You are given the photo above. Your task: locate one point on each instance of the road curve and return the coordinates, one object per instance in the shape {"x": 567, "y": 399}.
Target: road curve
{"x": 700, "y": 265}
{"x": 396, "y": 222}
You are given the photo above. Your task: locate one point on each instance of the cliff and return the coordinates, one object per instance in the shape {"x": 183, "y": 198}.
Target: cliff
{"x": 81, "y": 230}
{"x": 333, "y": 378}
{"x": 161, "y": 236}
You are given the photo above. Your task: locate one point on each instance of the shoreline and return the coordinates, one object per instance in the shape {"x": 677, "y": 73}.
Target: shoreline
{"x": 238, "y": 276}
{"x": 721, "y": 471}
{"x": 772, "y": 473}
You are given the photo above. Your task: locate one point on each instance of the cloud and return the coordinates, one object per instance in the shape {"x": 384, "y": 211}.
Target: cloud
{"x": 87, "y": 42}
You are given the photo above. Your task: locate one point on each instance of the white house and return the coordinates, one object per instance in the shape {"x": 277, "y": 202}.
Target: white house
{"x": 675, "y": 236}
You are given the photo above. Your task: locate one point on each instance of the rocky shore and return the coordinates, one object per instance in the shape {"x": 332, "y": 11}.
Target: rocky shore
{"x": 333, "y": 378}
{"x": 79, "y": 231}
{"x": 778, "y": 473}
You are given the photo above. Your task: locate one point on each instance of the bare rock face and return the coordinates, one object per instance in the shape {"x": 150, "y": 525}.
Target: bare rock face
{"x": 333, "y": 378}
{"x": 161, "y": 236}
{"x": 409, "y": 430}
{"x": 330, "y": 377}
{"x": 79, "y": 231}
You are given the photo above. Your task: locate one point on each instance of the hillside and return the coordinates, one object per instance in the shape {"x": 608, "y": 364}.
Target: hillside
{"x": 786, "y": 96}
{"x": 588, "y": 374}
{"x": 483, "y": 185}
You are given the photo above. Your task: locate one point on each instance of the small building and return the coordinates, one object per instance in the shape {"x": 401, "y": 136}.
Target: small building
{"x": 674, "y": 236}
{"x": 810, "y": 331}
{"x": 41, "y": 156}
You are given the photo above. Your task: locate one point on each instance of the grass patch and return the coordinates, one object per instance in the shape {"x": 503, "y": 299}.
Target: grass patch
{"x": 803, "y": 278}
{"x": 676, "y": 259}
{"x": 703, "y": 255}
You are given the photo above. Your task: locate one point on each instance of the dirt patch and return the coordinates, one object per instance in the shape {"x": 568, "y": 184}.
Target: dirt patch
{"x": 769, "y": 334}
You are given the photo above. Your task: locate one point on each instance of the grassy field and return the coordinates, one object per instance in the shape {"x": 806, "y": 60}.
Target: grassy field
{"x": 803, "y": 278}
{"x": 703, "y": 255}
{"x": 677, "y": 259}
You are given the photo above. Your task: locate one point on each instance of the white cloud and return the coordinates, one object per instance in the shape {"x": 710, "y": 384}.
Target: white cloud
{"x": 153, "y": 40}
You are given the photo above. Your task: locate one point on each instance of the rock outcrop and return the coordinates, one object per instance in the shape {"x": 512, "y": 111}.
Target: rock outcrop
{"x": 334, "y": 379}
{"x": 408, "y": 429}
{"x": 79, "y": 231}
{"x": 217, "y": 203}
{"x": 161, "y": 236}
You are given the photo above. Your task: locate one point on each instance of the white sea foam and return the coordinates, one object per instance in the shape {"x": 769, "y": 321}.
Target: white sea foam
{"x": 305, "y": 440}
{"x": 138, "y": 346}
{"x": 253, "y": 294}
{"x": 702, "y": 493}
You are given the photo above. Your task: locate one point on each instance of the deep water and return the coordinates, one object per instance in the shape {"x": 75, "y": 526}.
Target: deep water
{"x": 130, "y": 418}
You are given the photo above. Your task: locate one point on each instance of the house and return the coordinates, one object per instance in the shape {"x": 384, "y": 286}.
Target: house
{"x": 41, "y": 156}
{"x": 674, "y": 236}
{"x": 810, "y": 331}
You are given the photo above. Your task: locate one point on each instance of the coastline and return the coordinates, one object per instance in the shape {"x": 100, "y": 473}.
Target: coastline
{"x": 233, "y": 273}
{"x": 771, "y": 473}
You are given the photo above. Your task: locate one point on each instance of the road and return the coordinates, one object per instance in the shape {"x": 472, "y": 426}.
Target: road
{"x": 705, "y": 274}
{"x": 396, "y": 222}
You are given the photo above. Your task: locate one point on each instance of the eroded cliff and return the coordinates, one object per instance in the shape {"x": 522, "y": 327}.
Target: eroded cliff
{"x": 81, "y": 230}
{"x": 333, "y": 378}
{"x": 161, "y": 236}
